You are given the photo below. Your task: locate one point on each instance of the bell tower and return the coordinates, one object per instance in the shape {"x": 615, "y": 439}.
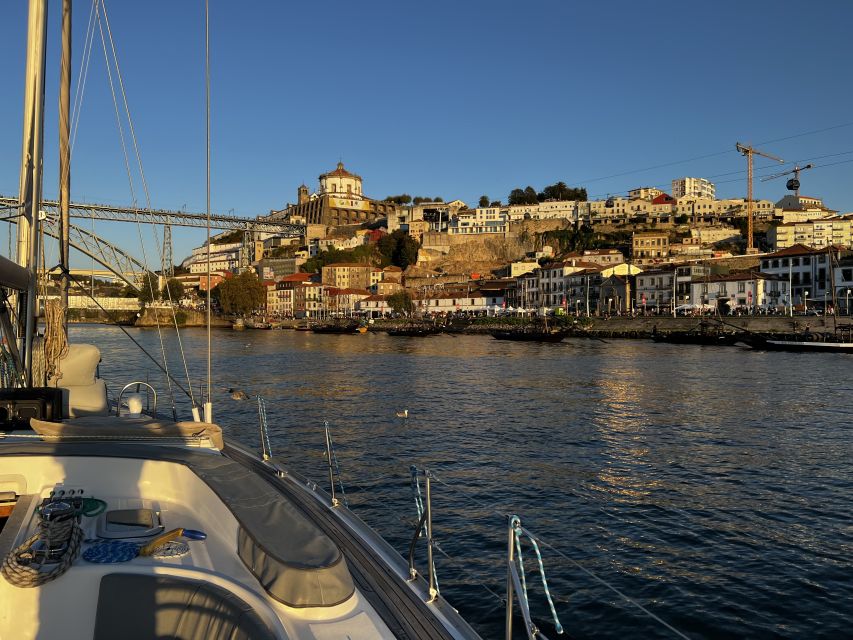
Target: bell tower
{"x": 302, "y": 194}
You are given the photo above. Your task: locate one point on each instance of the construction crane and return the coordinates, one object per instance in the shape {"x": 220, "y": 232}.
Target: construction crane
{"x": 794, "y": 183}
{"x": 749, "y": 151}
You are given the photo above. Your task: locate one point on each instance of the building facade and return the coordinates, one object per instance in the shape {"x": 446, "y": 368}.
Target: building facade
{"x": 694, "y": 187}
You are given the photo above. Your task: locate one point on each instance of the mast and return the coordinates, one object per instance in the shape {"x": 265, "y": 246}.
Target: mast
{"x": 65, "y": 154}
{"x": 29, "y": 193}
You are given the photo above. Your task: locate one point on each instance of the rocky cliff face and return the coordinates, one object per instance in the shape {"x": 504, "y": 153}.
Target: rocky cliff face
{"x": 185, "y": 317}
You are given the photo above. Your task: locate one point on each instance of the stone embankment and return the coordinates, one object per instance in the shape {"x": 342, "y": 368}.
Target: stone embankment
{"x": 644, "y": 326}
{"x": 151, "y": 317}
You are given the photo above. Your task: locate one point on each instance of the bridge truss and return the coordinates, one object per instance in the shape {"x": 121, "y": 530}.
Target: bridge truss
{"x": 121, "y": 263}
{"x": 165, "y": 217}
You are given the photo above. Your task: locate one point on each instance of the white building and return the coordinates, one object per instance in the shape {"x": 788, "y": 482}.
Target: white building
{"x": 479, "y": 221}
{"x": 695, "y": 187}
{"x": 808, "y": 271}
{"x": 653, "y": 289}
{"x": 740, "y": 291}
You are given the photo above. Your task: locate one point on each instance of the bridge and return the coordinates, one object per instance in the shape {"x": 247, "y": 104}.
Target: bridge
{"x": 165, "y": 217}
{"x": 120, "y": 263}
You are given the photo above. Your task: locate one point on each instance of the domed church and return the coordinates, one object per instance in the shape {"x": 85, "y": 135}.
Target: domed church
{"x": 339, "y": 201}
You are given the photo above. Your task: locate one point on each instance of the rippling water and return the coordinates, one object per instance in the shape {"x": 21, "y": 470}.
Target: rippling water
{"x": 712, "y": 485}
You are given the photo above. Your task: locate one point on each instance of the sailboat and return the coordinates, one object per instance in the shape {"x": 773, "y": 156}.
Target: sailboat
{"x": 120, "y": 524}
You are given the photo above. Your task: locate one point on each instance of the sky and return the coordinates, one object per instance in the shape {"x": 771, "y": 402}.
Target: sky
{"x": 452, "y": 99}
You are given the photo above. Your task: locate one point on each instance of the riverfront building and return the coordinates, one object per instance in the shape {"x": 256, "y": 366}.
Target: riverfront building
{"x": 808, "y": 270}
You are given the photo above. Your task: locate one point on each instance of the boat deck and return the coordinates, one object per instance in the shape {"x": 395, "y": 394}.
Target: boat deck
{"x": 182, "y": 499}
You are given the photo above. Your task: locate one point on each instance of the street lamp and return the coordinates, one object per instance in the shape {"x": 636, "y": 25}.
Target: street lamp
{"x": 578, "y": 304}
{"x": 848, "y": 302}
{"x": 805, "y": 301}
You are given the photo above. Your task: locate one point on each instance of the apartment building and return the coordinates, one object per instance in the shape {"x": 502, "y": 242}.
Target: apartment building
{"x": 649, "y": 247}
{"x": 694, "y": 187}
{"x": 654, "y": 289}
{"x": 806, "y": 269}
{"x": 740, "y": 290}
{"x": 350, "y": 275}
{"x": 819, "y": 234}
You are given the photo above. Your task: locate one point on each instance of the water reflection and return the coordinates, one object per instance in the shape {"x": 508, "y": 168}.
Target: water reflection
{"x": 711, "y": 484}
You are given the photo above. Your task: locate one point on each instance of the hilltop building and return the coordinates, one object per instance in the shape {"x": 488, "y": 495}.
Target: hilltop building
{"x": 339, "y": 200}
{"x": 645, "y": 193}
{"x": 694, "y": 187}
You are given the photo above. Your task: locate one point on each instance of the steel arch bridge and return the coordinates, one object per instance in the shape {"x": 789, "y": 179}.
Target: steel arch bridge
{"x": 118, "y": 261}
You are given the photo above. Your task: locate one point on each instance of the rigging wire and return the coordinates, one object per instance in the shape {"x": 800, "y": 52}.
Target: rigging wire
{"x": 715, "y": 154}
{"x": 731, "y": 173}
{"x": 146, "y": 277}
{"x": 117, "y": 323}
{"x": 148, "y": 206}
{"x": 83, "y": 74}
{"x": 147, "y": 197}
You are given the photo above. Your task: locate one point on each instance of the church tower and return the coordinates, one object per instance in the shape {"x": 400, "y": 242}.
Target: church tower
{"x": 302, "y": 194}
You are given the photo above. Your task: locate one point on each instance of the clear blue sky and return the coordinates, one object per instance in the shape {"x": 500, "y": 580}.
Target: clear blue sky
{"x": 455, "y": 99}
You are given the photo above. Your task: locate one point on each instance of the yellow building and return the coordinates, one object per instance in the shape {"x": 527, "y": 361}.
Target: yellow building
{"x": 649, "y": 247}
{"x": 350, "y": 275}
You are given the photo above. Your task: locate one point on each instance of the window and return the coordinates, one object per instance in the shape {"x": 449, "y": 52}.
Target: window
{"x": 741, "y": 287}
{"x": 807, "y": 261}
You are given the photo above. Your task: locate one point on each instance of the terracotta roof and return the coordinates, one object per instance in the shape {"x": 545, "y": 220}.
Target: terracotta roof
{"x": 348, "y": 264}
{"x": 736, "y": 277}
{"x": 340, "y": 172}
{"x": 663, "y": 198}
{"x": 795, "y": 250}
{"x": 297, "y": 277}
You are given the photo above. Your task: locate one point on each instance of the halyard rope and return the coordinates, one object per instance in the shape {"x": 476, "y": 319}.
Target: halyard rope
{"x": 20, "y": 567}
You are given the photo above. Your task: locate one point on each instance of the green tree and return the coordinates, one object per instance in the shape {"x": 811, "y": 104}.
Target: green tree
{"x": 560, "y": 191}
{"x": 241, "y": 294}
{"x": 173, "y": 290}
{"x": 484, "y": 201}
{"x": 149, "y": 290}
{"x": 516, "y": 196}
{"x": 530, "y": 195}
{"x": 398, "y": 248}
{"x": 401, "y": 302}
{"x": 404, "y": 198}
{"x": 495, "y": 203}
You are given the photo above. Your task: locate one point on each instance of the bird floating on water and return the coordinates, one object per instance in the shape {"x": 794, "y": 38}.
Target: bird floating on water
{"x": 237, "y": 394}
{"x": 403, "y": 413}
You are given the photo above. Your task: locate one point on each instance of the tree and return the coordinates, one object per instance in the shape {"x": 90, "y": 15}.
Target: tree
{"x": 404, "y": 198}
{"x": 149, "y": 290}
{"x": 241, "y": 294}
{"x": 495, "y": 203}
{"x": 398, "y": 248}
{"x": 530, "y": 195}
{"x": 173, "y": 290}
{"x": 401, "y": 302}
{"x": 516, "y": 196}
{"x": 484, "y": 201}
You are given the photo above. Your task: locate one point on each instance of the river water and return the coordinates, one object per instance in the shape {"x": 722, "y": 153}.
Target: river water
{"x": 711, "y": 485}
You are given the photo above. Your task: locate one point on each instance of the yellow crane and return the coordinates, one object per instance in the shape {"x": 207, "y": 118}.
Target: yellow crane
{"x": 749, "y": 151}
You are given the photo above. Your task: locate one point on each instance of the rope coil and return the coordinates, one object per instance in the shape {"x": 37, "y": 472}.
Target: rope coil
{"x": 21, "y": 568}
